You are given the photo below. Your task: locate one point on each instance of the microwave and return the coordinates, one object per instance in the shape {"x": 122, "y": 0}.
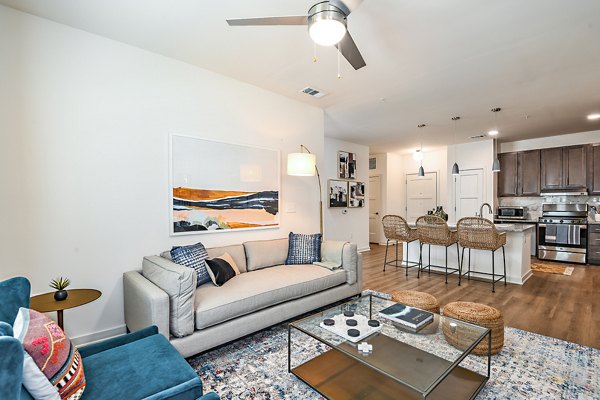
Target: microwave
{"x": 512, "y": 212}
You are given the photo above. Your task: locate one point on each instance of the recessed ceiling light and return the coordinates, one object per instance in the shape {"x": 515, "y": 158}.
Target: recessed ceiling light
{"x": 593, "y": 117}
{"x": 493, "y": 132}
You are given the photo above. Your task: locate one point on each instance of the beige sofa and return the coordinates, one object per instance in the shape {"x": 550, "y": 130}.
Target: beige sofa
{"x": 265, "y": 293}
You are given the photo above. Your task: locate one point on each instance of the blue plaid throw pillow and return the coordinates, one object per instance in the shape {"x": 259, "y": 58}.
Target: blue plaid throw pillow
{"x": 193, "y": 256}
{"x": 304, "y": 249}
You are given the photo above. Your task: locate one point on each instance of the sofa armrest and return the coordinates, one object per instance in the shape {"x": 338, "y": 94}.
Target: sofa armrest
{"x": 121, "y": 340}
{"x": 352, "y": 263}
{"x": 145, "y": 304}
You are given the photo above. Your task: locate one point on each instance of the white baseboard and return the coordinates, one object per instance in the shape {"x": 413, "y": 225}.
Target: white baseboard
{"x": 97, "y": 336}
{"x": 363, "y": 249}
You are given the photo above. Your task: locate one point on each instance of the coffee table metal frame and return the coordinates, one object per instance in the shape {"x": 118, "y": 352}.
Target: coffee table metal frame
{"x": 362, "y": 360}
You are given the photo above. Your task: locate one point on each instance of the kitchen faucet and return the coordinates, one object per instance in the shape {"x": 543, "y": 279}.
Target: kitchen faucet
{"x": 481, "y": 209}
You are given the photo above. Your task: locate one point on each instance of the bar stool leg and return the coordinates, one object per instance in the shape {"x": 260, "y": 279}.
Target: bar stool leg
{"x": 446, "y": 265}
{"x": 406, "y": 263}
{"x": 429, "y": 261}
{"x": 386, "y": 250}
{"x": 461, "y": 263}
{"x": 420, "y": 259}
{"x": 397, "y": 254}
{"x": 493, "y": 274}
{"x": 469, "y": 271}
{"x": 458, "y": 261}
{"x": 504, "y": 259}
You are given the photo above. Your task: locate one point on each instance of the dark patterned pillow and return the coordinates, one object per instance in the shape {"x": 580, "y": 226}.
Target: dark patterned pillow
{"x": 193, "y": 256}
{"x": 220, "y": 271}
{"x": 304, "y": 249}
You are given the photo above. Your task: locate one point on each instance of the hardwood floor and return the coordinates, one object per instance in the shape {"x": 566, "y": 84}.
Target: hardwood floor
{"x": 559, "y": 306}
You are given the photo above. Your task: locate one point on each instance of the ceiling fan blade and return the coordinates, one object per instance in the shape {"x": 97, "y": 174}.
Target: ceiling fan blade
{"x": 349, "y": 50}
{"x": 289, "y": 20}
{"x": 347, "y": 6}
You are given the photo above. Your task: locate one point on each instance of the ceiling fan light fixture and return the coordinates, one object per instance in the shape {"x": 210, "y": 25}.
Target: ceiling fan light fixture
{"x": 326, "y": 24}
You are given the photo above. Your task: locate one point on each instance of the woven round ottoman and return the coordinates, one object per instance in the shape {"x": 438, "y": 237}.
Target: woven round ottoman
{"x": 478, "y": 314}
{"x": 421, "y": 300}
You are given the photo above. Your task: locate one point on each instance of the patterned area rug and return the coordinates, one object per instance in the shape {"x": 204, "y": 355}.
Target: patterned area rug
{"x": 530, "y": 366}
{"x": 552, "y": 269}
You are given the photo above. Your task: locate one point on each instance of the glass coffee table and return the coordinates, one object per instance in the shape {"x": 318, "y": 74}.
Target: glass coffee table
{"x": 403, "y": 364}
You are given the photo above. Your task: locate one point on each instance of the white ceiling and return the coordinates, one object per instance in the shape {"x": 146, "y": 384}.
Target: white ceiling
{"x": 427, "y": 60}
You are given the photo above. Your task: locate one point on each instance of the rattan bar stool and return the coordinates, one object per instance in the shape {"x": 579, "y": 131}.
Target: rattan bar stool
{"x": 433, "y": 230}
{"x": 397, "y": 230}
{"x": 481, "y": 234}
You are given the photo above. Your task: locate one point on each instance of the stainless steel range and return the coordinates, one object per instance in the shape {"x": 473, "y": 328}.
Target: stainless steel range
{"x": 562, "y": 232}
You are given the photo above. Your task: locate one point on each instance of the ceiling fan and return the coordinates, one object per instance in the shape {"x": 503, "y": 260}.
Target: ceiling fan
{"x": 327, "y": 26}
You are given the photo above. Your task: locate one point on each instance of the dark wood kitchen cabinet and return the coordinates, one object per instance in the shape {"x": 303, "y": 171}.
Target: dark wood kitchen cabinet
{"x": 593, "y": 172}
{"x": 551, "y": 168}
{"x": 528, "y": 173}
{"x": 507, "y": 177}
{"x": 563, "y": 168}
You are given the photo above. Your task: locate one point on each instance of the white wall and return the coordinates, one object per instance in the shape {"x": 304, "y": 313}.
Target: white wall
{"x": 85, "y": 123}
{"x": 570, "y": 139}
{"x": 351, "y": 224}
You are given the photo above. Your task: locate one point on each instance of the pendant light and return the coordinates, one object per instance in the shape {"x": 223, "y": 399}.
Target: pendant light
{"x": 455, "y": 169}
{"x": 421, "y": 170}
{"x": 494, "y": 132}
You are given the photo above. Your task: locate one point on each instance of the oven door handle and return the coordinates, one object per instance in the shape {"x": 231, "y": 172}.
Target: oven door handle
{"x": 580, "y": 226}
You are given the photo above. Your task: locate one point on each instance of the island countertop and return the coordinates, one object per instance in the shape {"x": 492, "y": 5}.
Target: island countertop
{"x": 499, "y": 227}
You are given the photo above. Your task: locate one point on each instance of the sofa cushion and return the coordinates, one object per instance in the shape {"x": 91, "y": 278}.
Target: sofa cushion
{"x": 235, "y": 251}
{"x": 147, "y": 368}
{"x": 193, "y": 256}
{"x": 255, "y": 290}
{"x": 265, "y": 253}
{"x": 14, "y": 293}
{"x": 303, "y": 249}
{"x": 179, "y": 283}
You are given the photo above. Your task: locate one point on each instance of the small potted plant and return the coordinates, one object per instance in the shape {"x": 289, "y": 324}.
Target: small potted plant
{"x": 60, "y": 284}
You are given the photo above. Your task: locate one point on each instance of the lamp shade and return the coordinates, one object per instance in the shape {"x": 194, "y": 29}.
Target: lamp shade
{"x": 455, "y": 169}
{"x": 496, "y": 165}
{"x": 421, "y": 171}
{"x": 301, "y": 164}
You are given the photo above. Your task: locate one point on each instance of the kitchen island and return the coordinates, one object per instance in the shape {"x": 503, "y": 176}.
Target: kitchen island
{"x": 518, "y": 255}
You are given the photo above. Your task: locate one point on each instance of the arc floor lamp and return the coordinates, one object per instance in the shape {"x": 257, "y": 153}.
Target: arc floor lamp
{"x": 305, "y": 164}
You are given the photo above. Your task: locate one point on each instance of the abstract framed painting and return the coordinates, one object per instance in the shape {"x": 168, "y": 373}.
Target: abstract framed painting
{"x": 218, "y": 186}
{"x": 338, "y": 193}
{"x": 346, "y": 165}
{"x": 356, "y": 194}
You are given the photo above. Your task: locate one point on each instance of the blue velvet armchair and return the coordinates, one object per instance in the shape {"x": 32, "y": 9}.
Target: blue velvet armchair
{"x": 139, "y": 365}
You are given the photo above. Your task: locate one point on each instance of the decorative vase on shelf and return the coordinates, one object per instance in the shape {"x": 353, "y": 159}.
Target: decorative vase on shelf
{"x": 439, "y": 211}
{"x": 60, "y": 285}
{"x": 61, "y": 295}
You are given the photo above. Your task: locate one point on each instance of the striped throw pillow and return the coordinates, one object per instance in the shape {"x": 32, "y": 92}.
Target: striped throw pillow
{"x": 303, "y": 249}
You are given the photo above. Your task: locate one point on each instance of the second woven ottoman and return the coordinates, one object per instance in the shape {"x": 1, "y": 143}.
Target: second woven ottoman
{"x": 421, "y": 300}
{"x": 478, "y": 314}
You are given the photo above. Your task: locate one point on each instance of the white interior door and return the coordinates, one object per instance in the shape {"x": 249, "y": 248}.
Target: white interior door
{"x": 468, "y": 189}
{"x": 375, "y": 228}
{"x": 421, "y": 194}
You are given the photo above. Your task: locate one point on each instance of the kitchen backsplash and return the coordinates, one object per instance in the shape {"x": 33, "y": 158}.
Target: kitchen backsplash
{"x": 534, "y": 204}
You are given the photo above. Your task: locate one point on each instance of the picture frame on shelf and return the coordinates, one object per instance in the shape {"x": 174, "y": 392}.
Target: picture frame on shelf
{"x": 338, "y": 193}
{"x": 346, "y": 165}
{"x": 356, "y": 194}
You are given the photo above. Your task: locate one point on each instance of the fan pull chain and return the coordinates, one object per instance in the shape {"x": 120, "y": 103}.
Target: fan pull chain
{"x": 339, "y": 75}
{"x": 315, "y": 52}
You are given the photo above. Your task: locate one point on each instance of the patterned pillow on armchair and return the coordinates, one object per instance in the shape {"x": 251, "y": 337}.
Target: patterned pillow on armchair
{"x": 50, "y": 354}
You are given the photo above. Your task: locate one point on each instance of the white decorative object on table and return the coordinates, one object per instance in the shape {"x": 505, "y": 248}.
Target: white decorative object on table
{"x": 365, "y": 348}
